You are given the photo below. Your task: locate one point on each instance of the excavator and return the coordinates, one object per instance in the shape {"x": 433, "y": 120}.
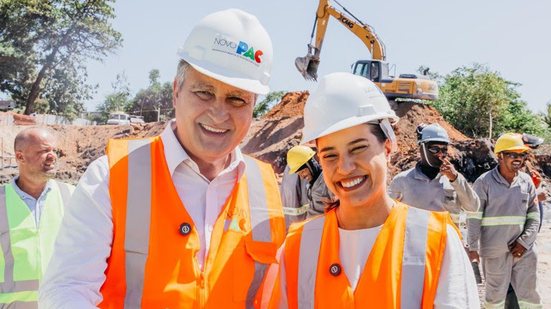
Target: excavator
{"x": 406, "y": 86}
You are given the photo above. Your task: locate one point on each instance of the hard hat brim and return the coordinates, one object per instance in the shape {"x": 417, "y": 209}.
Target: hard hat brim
{"x": 436, "y": 139}
{"x": 516, "y": 148}
{"x": 226, "y": 77}
{"x": 348, "y": 123}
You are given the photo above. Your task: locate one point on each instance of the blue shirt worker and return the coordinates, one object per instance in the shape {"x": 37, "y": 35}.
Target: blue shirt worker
{"x": 31, "y": 209}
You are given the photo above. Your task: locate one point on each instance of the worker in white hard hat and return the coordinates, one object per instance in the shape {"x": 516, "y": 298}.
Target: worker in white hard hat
{"x": 367, "y": 250}
{"x": 434, "y": 183}
{"x": 302, "y": 162}
{"x": 504, "y": 230}
{"x": 184, "y": 219}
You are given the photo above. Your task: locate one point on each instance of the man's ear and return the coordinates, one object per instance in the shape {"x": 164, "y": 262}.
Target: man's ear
{"x": 19, "y": 156}
{"x": 175, "y": 91}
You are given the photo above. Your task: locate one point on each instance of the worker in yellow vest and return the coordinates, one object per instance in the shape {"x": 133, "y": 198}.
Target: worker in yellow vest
{"x": 184, "y": 219}
{"x": 31, "y": 209}
{"x": 367, "y": 251}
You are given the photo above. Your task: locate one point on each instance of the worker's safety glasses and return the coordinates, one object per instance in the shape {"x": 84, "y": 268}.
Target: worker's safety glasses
{"x": 436, "y": 149}
{"x": 515, "y": 155}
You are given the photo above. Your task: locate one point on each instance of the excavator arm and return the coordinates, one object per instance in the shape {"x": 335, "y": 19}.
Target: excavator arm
{"x": 308, "y": 65}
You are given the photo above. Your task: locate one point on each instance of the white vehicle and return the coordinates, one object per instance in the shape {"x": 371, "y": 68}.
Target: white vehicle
{"x": 118, "y": 118}
{"x": 6, "y": 105}
{"x": 136, "y": 119}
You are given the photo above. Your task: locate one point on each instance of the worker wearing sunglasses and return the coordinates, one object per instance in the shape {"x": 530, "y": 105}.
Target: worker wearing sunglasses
{"x": 434, "y": 183}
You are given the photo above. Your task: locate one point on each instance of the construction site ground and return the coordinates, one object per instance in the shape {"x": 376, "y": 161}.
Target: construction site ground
{"x": 281, "y": 128}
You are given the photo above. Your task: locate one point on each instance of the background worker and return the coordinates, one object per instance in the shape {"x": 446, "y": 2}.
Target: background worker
{"x": 434, "y": 183}
{"x": 302, "y": 161}
{"x": 31, "y": 209}
{"x": 184, "y": 219}
{"x": 367, "y": 250}
{"x": 503, "y": 232}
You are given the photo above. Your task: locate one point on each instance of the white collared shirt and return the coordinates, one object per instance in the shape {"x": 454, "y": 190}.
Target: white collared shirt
{"x": 76, "y": 271}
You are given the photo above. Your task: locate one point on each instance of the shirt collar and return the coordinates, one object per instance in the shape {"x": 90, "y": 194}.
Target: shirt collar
{"x": 175, "y": 154}
{"x": 499, "y": 178}
{"x": 25, "y": 195}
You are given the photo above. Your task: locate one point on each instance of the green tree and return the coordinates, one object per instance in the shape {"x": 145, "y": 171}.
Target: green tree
{"x": 43, "y": 45}
{"x": 480, "y": 103}
{"x": 117, "y": 101}
{"x": 546, "y": 116}
{"x": 154, "y": 103}
{"x": 266, "y": 104}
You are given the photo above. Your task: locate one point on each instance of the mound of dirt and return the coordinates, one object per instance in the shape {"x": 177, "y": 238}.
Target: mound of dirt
{"x": 79, "y": 145}
{"x": 274, "y": 134}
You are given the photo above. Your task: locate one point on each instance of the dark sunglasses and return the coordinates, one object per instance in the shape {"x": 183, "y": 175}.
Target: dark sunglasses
{"x": 515, "y": 155}
{"x": 436, "y": 149}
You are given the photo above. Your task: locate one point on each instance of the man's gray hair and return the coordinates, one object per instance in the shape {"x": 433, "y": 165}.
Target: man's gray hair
{"x": 181, "y": 72}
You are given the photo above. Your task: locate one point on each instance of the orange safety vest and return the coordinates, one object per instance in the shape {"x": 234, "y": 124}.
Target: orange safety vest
{"x": 401, "y": 271}
{"x": 152, "y": 262}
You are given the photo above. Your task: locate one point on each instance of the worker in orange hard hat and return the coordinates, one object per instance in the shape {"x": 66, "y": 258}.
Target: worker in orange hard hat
{"x": 367, "y": 250}
{"x": 184, "y": 219}
{"x": 503, "y": 232}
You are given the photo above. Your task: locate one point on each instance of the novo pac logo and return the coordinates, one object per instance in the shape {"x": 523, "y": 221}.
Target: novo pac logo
{"x": 237, "y": 48}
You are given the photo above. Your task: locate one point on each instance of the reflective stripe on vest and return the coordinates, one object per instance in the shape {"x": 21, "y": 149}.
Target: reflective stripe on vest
{"x": 413, "y": 259}
{"x": 260, "y": 222}
{"x": 137, "y": 218}
{"x": 19, "y": 274}
{"x": 139, "y": 210}
{"x": 503, "y": 220}
{"x": 309, "y": 244}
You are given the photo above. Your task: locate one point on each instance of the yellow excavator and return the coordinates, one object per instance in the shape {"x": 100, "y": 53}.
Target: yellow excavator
{"x": 409, "y": 86}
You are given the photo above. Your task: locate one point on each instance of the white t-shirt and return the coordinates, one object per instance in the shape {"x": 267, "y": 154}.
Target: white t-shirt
{"x": 355, "y": 246}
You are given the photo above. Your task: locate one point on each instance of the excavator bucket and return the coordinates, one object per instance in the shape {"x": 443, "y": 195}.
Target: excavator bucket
{"x": 308, "y": 65}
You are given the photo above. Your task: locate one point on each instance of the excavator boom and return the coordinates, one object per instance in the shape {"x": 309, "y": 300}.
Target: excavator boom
{"x": 308, "y": 65}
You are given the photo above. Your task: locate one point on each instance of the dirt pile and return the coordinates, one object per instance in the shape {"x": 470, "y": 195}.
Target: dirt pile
{"x": 274, "y": 134}
{"x": 79, "y": 145}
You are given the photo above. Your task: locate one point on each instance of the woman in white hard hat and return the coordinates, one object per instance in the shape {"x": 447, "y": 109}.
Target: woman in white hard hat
{"x": 367, "y": 251}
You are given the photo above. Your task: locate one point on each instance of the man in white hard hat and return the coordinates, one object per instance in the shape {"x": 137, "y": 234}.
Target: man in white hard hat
{"x": 184, "y": 219}
{"x": 434, "y": 183}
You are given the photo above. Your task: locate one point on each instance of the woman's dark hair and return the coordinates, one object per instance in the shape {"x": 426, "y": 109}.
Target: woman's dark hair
{"x": 378, "y": 132}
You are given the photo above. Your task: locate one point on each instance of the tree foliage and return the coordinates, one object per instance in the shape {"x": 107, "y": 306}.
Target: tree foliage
{"x": 546, "y": 116}
{"x": 154, "y": 103}
{"x": 117, "y": 101}
{"x": 478, "y": 101}
{"x": 43, "y": 45}
{"x": 266, "y": 104}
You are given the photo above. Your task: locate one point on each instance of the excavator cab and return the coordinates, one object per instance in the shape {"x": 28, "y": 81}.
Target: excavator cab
{"x": 374, "y": 70}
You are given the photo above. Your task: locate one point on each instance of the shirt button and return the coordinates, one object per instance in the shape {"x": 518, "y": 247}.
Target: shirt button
{"x": 335, "y": 269}
{"x": 185, "y": 229}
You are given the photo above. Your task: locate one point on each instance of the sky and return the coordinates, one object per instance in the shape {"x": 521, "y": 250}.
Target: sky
{"x": 509, "y": 36}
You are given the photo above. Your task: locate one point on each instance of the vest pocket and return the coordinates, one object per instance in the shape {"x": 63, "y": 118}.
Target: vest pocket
{"x": 249, "y": 272}
{"x": 450, "y": 200}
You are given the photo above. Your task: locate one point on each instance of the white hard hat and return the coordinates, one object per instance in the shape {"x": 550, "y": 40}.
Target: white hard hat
{"x": 232, "y": 47}
{"x": 433, "y": 133}
{"x": 344, "y": 100}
